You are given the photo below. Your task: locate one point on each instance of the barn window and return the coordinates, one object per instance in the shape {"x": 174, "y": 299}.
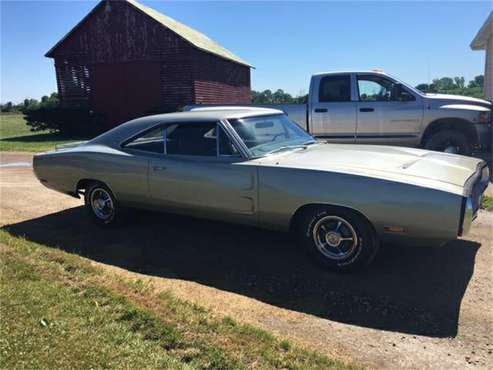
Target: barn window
{"x": 74, "y": 81}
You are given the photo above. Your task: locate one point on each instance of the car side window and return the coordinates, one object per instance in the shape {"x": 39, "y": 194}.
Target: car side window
{"x": 151, "y": 141}
{"x": 197, "y": 139}
{"x": 335, "y": 89}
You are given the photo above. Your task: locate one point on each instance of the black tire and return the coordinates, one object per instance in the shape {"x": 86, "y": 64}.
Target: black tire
{"x": 103, "y": 215}
{"x": 443, "y": 139}
{"x": 350, "y": 255}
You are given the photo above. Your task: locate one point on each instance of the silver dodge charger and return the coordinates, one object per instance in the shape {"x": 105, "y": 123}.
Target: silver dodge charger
{"x": 254, "y": 166}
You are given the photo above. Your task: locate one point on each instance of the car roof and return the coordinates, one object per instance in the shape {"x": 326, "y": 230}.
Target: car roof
{"x": 133, "y": 127}
{"x": 374, "y": 71}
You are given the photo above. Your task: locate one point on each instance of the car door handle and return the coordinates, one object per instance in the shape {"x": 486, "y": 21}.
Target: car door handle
{"x": 320, "y": 110}
{"x": 158, "y": 168}
{"x": 366, "y": 110}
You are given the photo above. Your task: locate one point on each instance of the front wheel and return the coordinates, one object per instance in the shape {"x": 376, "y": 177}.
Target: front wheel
{"x": 449, "y": 141}
{"x": 101, "y": 204}
{"x": 338, "y": 239}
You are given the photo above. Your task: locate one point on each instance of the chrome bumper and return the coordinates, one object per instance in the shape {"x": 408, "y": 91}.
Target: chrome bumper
{"x": 475, "y": 186}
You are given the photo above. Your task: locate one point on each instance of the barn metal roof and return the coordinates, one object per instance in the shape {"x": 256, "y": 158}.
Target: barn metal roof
{"x": 481, "y": 39}
{"x": 194, "y": 37}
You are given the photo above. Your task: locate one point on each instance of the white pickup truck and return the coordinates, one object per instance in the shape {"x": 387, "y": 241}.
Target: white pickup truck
{"x": 373, "y": 107}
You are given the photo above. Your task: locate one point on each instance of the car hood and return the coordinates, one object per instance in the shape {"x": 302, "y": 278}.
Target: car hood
{"x": 435, "y": 170}
{"x": 459, "y": 99}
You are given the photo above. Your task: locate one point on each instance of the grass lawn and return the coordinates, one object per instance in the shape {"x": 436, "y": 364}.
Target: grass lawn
{"x": 15, "y": 135}
{"x": 60, "y": 311}
{"x": 487, "y": 203}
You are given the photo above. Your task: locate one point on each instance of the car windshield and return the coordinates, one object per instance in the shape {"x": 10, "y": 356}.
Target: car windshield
{"x": 269, "y": 134}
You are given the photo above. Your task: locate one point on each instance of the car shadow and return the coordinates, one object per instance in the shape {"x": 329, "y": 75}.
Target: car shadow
{"x": 410, "y": 290}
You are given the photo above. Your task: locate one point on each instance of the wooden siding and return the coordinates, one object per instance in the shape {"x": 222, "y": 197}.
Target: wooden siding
{"x": 121, "y": 98}
{"x": 73, "y": 81}
{"x": 120, "y": 35}
{"x": 118, "y": 60}
{"x": 218, "y": 81}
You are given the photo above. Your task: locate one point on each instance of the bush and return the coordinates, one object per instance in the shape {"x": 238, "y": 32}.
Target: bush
{"x": 67, "y": 121}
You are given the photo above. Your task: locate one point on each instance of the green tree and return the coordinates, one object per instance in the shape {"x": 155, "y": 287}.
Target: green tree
{"x": 7, "y": 107}
{"x": 460, "y": 82}
{"x": 444, "y": 83}
{"x": 423, "y": 87}
{"x": 477, "y": 82}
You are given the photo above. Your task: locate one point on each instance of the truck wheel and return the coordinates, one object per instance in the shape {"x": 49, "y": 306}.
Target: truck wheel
{"x": 449, "y": 141}
{"x": 101, "y": 204}
{"x": 337, "y": 238}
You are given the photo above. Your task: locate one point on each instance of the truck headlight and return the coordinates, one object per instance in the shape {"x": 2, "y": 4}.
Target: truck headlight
{"x": 484, "y": 117}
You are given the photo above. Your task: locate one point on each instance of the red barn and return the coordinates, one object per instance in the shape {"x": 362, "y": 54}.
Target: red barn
{"x": 124, "y": 60}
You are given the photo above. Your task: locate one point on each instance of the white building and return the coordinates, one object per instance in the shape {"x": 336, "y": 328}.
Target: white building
{"x": 484, "y": 41}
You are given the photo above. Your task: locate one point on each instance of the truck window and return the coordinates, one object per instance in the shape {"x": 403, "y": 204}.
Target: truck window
{"x": 335, "y": 89}
{"x": 376, "y": 88}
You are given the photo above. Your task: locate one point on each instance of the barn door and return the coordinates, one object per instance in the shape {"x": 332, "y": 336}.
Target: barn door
{"x": 122, "y": 91}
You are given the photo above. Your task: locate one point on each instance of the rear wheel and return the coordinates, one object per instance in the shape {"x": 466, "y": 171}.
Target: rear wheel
{"x": 338, "y": 239}
{"x": 101, "y": 204}
{"x": 449, "y": 141}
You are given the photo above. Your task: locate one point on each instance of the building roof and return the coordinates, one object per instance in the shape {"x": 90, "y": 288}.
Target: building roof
{"x": 486, "y": 31}
{"x": 197, "y": 39}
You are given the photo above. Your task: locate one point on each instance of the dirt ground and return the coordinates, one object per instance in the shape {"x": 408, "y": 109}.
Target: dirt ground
{"x": 416, "y": 307}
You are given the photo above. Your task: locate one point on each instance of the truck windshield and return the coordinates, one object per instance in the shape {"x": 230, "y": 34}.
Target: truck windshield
{"x": 268, "y": 134}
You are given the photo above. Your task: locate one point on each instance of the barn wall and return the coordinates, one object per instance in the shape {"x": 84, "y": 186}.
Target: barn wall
{"x": 219, "y": 81}
{"x": 120, "y": 35}
{"x": 125, "y": 50}
{"x": 116, "y": 38}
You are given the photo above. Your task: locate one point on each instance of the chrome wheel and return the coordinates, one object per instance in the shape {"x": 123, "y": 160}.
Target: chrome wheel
{"x": 102, "y": 204}
{"x": 334, "y": 237}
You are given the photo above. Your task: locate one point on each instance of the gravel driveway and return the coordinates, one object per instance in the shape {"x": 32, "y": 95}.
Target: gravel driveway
{"x": 413, "y": 308}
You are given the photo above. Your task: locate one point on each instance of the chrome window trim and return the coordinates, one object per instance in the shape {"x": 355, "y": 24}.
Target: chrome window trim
{"x": 165, "y": 138}
{"x": 218, "y": 132}
{"x": 219, "y": 126}
{"x": 134, "y": 136}
{"x": 235, "y": 139}
{"x": 221, "y": 131}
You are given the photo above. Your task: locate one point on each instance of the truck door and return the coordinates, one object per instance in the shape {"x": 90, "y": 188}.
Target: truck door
{"x": 332, "y": 110}
{"x": 387, "y": 112}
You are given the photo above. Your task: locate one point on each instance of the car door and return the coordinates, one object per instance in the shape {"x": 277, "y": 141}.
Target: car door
{"x": 203, "y": 174}
{"x": 129, "y": 174}
{"x": 388, "y": 113}
{"x": 333, "y": 110}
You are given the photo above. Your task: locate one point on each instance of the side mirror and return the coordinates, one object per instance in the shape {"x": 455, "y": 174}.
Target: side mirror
{"x": 397, "y": 91}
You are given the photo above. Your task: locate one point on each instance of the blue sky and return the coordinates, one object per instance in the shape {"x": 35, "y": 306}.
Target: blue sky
{"x": 285, "y": 41}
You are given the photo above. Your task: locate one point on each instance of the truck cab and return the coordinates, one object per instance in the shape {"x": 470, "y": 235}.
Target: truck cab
{"x": 372, "y": 107}
{"x": 375, "y": 108}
